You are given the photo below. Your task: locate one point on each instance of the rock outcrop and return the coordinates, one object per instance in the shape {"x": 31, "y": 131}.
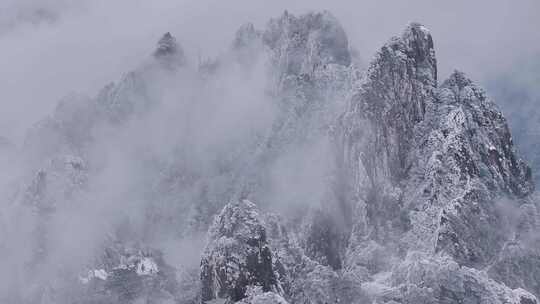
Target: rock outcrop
{"x": 396, "y": 189}
{"x": 429, "y": 169}
{"x": 301, "y": 44}
{"x": 237, "y": 255}
{"x": 168, "y": 51}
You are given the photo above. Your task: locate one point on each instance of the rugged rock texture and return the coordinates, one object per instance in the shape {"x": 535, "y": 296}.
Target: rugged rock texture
{"x": 301, "y": 44}
{"x": 425, "y": 279}
{"x": 430, "y": 167}
{"x": 378, "y": 131}
{"x": 237, "y": 255}
{"x": 480, "y": 147}
{"x": 127, "y": 273}
{"x": 420, "y": 183}
{"x": 168, "y": 52}
{"x": 393, "y": 189}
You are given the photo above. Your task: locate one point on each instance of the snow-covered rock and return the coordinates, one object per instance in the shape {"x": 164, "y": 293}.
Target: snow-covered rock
{"x": 409, "y": 192}
{"x": 301, "y": 44}
{"x": 429, "y": 167}
{"x": 237, "y": 255}
{"x": 438, "y": 279}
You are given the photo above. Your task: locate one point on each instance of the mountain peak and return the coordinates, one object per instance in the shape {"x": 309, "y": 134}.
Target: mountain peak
{"x": 416, "y": 41}
{"x": 418, "y": 37}
{"x": 301, "y": 44}
{"x": 169, "y": 49}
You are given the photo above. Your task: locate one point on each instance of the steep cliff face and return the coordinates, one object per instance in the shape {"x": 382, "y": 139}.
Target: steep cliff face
{"x": 421, "y": 178}
{"x": 377, "y": 133}
{"x": 395, "y": 189}
{"x": 430, "y": 167}
{"x": 391, "y": 100}
{"x": 476, "y": 153}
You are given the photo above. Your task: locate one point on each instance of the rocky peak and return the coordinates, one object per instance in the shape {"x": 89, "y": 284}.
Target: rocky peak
{"x": 402, "y": 135}
{"x": 390, "y": 101}
{"x": 302, "y": 44}
{"x": 486, "y": 130}
{"x": 239, "y": 220}
{"x": 465, "y": 164}
{"x": 429, "y": 166}
{"x": 237, "y": 255}
{"x": 168, "y": 49}
{"x": 419, "y": 45}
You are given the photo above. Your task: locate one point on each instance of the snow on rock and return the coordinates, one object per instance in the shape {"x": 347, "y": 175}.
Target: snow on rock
{"x": 129, "y": 272}
{"x": 427, "y": 167}
{"x": 301, "y": 44}
{"x": 237, "y": 255}
{"x": 312, "y": 75}
{"x": 100, "y": 274}
{"x": 146, "y": 266}
{"x": 471, "y": 150}
{"x": 377, "y": 135}
{"x": 423, "y": 198}
{"x": 438, "y": 279}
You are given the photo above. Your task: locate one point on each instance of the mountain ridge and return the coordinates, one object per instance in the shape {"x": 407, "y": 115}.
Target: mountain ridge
{"x": 412, "y": 192}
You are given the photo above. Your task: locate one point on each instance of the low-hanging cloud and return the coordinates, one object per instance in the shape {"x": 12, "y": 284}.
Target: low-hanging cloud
{"x": 52, "y": 48}
{"x": 89, "y": 43}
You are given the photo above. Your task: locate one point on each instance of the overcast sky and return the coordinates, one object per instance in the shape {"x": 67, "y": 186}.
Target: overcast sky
{"x": 49, "y": 48}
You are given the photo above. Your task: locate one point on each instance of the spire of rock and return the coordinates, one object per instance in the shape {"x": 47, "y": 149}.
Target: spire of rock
{"x": 168, "y": 49}
{"x": 429, "y": 167}
{"x": 237, "y": 255}
{"x": 392, "y": 99}
{"x": 419, "y": 45}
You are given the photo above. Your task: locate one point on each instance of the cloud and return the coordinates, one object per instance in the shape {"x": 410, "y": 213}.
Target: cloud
{"x": 86, "y": 44}
{"x": 49, "y": 49}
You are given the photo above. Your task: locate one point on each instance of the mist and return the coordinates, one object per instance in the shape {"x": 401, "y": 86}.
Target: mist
{"x": 187, "y": 146}
{"x": 90, "y": 43}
